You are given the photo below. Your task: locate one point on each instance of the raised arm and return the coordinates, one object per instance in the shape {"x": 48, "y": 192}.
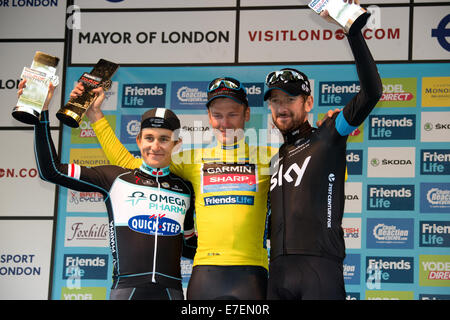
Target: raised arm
{"x": 371, "y": 88}
{"x": 114, "y": 150}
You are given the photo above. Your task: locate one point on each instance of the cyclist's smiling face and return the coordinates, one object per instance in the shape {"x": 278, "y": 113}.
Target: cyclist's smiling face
{"x": 227, "y": 117}
{"x": 289, "y": 112}
{"x": 156, "y": 145}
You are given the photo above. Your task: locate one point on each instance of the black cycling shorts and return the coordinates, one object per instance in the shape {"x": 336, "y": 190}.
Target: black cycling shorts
{"x": 149, "y": 292}
{"x": 227, "y": 283}
{"x": 301, "y": 277}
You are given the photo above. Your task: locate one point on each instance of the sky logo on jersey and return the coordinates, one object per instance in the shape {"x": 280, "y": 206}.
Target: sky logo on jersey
{"x": 152, "y": 224}
{"x": 392, "y": 127}
{"x": 388, "y": 270}
{"x": 337, "y": 93}
{"x": 435, "y": 197}
{"x": 255, "y": 93}
{"x": 352, "y": 268}
{"x": 434, "y": 270}
{"x": 144, "y": 95}
{"x": 390, "y": 233}
{"x": 228, "y": 177}
{"x": 434, "y": 234}
{"x": 390, "y": 197}
{"x": 435, "y": 162}
{"x": 398, "y": 92}
{"x": 231, "y": 199}
{"x": 189, "y": 95}
{"x": 354, "y": 160}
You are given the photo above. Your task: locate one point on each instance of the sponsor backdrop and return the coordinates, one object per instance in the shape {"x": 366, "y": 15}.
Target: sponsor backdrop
{"x": 54, "y": 241}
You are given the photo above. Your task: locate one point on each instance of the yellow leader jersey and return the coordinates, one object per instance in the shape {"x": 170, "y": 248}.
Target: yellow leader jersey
{"x": 231, "y": 184}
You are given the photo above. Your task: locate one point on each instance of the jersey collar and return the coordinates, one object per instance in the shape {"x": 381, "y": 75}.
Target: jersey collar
{"x": 303, "y": 131}
{"x": 154, "y": 172}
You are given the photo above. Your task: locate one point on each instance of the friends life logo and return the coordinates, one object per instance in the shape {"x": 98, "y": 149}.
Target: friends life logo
{"x": 390, "y": 197}
{"x": 392, "y": 127}
{"x": 435, "y": 162}
{"x": 381, "y": 270}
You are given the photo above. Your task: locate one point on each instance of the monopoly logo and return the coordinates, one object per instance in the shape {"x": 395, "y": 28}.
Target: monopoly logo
{"x": 337, "y": 93}
{"x": 231, "y": 199}
{"x": 434, "y": 270}
{"x": 354, "y": 160}
{"x": 435, "y": 127}
{"x": 435, "y": 92}
{"x": 189, "y": 95}
{"x": 391, "y": 162}
{"x": 255, "y": 93}
{"x": 85, "y": 266}
{"x": 390, "y": 233}
{"x": 388, "y": 270}
{"x": 154, "y": 224}
{"x": 144, "y": 95}
{"x": 435, "y": 162}
{"x": 228, "y": 177}
{"x": 435, "y": 197}
{"x": 88, "y": 157}
{"x": 390, "y": 197}
{"x": 392, "y": 127}
{"x": 434, "y": 234}
{"x": 352, "y": 268}
{"x": 398, "y": 92}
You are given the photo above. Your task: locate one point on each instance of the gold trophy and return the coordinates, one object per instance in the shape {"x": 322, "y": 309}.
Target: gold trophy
{"x": 350, "y": 16}
{"x": 39, "y": 75}
{"x": 100, "y": 76}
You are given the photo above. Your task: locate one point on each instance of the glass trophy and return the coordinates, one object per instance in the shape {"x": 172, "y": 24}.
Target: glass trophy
{"x": 350, "y": 16}
{"x": 42, "y": 71}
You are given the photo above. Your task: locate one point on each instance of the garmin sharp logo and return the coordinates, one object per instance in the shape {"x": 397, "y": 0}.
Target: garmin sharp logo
{"x": 441, "y": 32}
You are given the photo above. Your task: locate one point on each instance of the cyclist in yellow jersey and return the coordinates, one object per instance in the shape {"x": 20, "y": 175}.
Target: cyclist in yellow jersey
{"x": 231, "y": 182}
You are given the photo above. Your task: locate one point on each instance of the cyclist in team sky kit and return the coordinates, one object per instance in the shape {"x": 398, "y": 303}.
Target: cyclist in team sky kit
{"x": 307, "y": 182}
{"x": 150, "y": 209}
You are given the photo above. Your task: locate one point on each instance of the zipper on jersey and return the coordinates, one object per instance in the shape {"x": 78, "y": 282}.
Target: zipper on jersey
{"x": 156, "y": 233}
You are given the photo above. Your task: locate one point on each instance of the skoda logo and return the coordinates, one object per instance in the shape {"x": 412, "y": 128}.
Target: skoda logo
{"x": 441, "y": 32}
{"x": 375, "y": 162}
